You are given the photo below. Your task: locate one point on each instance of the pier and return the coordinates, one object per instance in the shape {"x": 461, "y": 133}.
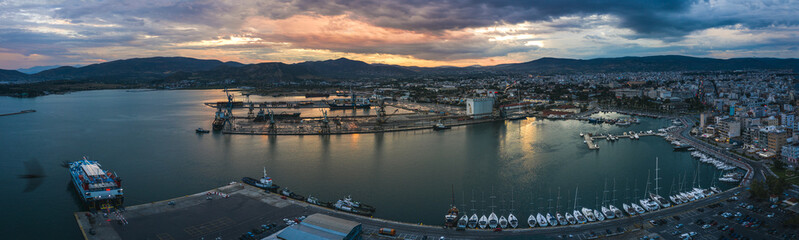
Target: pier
{"x": 237, "y": 208}
{"x": 590, "y": 141}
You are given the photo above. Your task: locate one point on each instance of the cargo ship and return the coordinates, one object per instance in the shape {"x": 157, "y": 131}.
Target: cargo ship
{"x": 313, "y": 95}
{"x": 219, "y": 120}
{"x": 97, "y": 188}
{"x": 359, "y": 103}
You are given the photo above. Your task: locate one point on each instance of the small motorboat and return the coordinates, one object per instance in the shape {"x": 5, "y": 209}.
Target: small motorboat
{"x": 201, "y": 130}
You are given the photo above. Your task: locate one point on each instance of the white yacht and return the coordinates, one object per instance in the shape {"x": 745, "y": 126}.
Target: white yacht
{"x": 542, "y": 221}
{"x": 579, "y": 216}
{"x": 659, "y": 200}
{"x": 627, "y": 208}
{"x": 607, "y": 212}
{"x": 589, "y": 214}
{"x": 483, "y": 222}
{"x": 503, "y": 222}
{"x": 637, "y": 208}
{"x": 473, "y": 221}
{"x": 493, "y": 221}
{"x": 616, "y": 211}
{"x": 531, "y": 220}
{"x": 552, "y": 220}
{"x": 463, "y": 221}
{"x": 561, "y": 220}
{"x": 513, "y": 221}
{"x": 570, "y": 219}
{"x": 599, "y": 216}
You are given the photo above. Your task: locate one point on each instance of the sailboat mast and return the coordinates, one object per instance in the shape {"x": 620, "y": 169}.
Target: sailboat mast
{"x": 657, "y": 178}
{"x": 575, "y": 196}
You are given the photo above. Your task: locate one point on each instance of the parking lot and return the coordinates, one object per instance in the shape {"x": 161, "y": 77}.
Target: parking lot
{"x": 728, "y": 219}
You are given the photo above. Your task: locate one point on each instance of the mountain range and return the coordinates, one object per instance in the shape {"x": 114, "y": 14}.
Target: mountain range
{"x": 168, "y": 69}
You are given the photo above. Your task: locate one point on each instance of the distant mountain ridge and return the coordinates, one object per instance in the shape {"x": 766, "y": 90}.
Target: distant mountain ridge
{"x": 167, "y": 69}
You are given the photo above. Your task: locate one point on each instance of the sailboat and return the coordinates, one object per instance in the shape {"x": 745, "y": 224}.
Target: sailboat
{"x": 550, "y": 219}
{"x": 463, "y": 221}
{"x": 606, "y": 211}
{"x": 493, "y": 220}
{"x": 503, "y": 222}
{"x": 615, "y": 210}
{"x": 512, "y": 220}
{"x": 589, "y": 214}
{"x": 629, "y": 209}
{"x": 599, "y": 216}
{"x": 473, "y": 220}
{"x": 570, "y": 218}
{"x": 531, "y": 221}
{"x": 637, "y": 208}
{"x": 483, "y": 219}
{"x": 452, "y": 214}
{"x": 561, "y": 220}
{"x": 656, "y": 196}
{"x": 542, "y": 221}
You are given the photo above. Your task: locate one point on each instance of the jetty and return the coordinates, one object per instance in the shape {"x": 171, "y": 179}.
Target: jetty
{"x": 590, "y": 142}
{"x": 20, "y": 112}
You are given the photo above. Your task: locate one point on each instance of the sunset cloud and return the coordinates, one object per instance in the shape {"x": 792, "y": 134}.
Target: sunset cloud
{"x": 421, "y": 33}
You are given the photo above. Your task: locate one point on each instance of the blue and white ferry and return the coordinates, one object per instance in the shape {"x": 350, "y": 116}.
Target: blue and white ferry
{"x": 99, "y": 189}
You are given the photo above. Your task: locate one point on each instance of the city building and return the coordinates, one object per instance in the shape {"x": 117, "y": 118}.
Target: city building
{"x": 790, "y": 152}
{"x": 728, "y": 128}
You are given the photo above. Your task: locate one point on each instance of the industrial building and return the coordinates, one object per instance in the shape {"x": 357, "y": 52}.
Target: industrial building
{"x": 320, "y": 226}
{"x": 479, "y": 107}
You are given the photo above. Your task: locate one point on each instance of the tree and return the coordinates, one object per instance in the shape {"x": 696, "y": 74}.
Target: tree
{"x": 758, "y": 190}
{"x": 776, "y": 185}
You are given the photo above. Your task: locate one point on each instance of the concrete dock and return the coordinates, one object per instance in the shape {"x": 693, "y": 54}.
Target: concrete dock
{"x": 590, "y": 142}
{"x": 197, "y": 217}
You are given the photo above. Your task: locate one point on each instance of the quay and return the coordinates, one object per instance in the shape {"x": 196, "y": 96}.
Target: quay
{"x": 238, "y": 208}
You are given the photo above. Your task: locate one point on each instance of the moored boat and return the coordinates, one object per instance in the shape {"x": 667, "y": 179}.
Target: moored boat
{"x": 97, "y": 188}
{"x": 264, "y": 183}
{"x": 513, "y": 221}
{"x": 493, "y": 221}
{"x": 542, "y": 221}
{"x": 627, "y": 208}
{"x": 503, "y": 222}
{"x": 570, "y": 219}
{"x": 579, "y": 216}
{"x": 599, "y": 216}
{"x": 483, "y": 223}
{"x": 473, "y": 221}
{"x": 531, "y": 220}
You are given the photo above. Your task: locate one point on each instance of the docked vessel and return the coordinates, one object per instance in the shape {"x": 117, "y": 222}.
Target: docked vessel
{"x": 542, "y": 221}
{"x": 552, "y": 220}
{"x": 463, "y": 221}
{"x": 220, "y": 118}
{"x": 599, "y": 216}
{"x": 264, "y": 183}
{"x": 627, "y": 208}
{"x": 531, "y": 220}
{"x": 561, "y": 220}
{"x": 570, "y": 219}
{"x": 580, "y": 218}
{"x": 201, "y": 130}
{"x": 97, "y": 188}
{"x": 288, "y": 193}
{"x": 352, "y": 104}
{"x": 450, "y": 219}
{"x": 616, "y": 211}
{"x": 493, "y": 221}
{"x": 348, "y": 200}
{"x": 315, "y": 201}
{"x": 589, "y": 214}
{"x": 347, "y": 206}
{"x": 473, "y": 221}
{"x": 440, "y": 126}
{"x": 607, "y": 212}
{"x": 503, "y": 222}
{"x": 483, "y": 223}
{"x": 513, "y": 221}
{"x": 637, "y": 208}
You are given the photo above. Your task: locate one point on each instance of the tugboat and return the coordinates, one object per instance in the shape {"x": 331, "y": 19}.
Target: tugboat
{"x": 97, "y": 188}
{"x": 315, "y": 201}
{"x": 201, "y": 130}
{"x": 288, "y": 193}
{"x": 348, "y": 200}
{"x": 346, "y": 207}
{"x": 265, "y": 183}
{"x": 440, "y": 126}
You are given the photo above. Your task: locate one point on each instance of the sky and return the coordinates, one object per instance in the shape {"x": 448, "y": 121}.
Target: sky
{"x": 410, "y": 32}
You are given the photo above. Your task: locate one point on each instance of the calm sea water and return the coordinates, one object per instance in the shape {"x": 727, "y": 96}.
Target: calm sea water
{"x": 148, "y": 139}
